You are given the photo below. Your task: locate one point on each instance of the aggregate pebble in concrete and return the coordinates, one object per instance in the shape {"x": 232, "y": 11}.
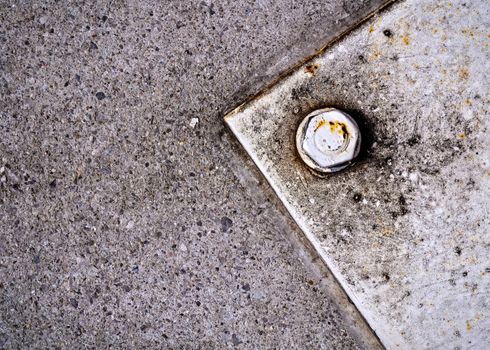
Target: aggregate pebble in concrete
{"x": 122, "y": 225}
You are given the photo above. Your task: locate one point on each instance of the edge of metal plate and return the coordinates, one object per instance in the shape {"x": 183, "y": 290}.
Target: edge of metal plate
{"x": 328, "y": 264}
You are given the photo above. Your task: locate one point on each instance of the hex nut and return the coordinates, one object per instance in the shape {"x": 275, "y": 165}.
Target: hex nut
{"x": 328, "y": 140}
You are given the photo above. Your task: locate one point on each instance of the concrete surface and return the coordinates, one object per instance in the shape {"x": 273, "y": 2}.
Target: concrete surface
{"x": 406, "y": 230}
{"x": 125, "y": 221}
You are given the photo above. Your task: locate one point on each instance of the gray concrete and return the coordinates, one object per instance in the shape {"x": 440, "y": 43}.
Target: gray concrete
{"x": 407, "y": 229}
{"x": 123, "y": 226}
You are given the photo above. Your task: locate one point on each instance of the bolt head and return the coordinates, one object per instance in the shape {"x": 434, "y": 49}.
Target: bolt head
{"x": 328, "y": 140}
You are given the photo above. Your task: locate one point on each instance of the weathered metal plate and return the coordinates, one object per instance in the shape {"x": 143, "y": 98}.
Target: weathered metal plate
{"x": 406, "y": 230}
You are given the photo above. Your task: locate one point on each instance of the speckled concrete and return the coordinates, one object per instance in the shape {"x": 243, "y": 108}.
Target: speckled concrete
{"x": 125, "y": 221}
{"x": 406, "y": 230}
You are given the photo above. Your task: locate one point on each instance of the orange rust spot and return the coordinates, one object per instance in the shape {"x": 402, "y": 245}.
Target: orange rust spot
{"x": 344, "y": 130}
{"x": 461, "y": 136}
{"x": 319, "y": 124}
{"x": 469, "y": 327}
{"x": 371, "y": 28}
{"x": 335, "y": 127}
{"x": 338, "y": 127}
{"x": 467, "y": 102}
{"x": 374, "y": 55}
{"x": 312, "y": 68}
{"x": 406, "y": 39}
{"x": 468, "y": 32}
{"x": 463, "y": 74}
{"x": 387, "y": 232}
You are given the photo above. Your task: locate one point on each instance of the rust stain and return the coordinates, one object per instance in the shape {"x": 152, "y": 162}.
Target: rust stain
{"x": 335, "y": 127}
{"x": 388, "y": 232}
{"x": 375, "y": 54}
{"x": 371, "y": 28}
{"x": 469, "y": 327}
{"x": 319, "y": 124}
{"x": 312, "y": 68}
{"x": 406, "y": 39}
{"x": 338, "y": 127}
{"x": 461, "y": 136}
{"x": 468, "y": 32}
{"x": 463, "y": 74}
